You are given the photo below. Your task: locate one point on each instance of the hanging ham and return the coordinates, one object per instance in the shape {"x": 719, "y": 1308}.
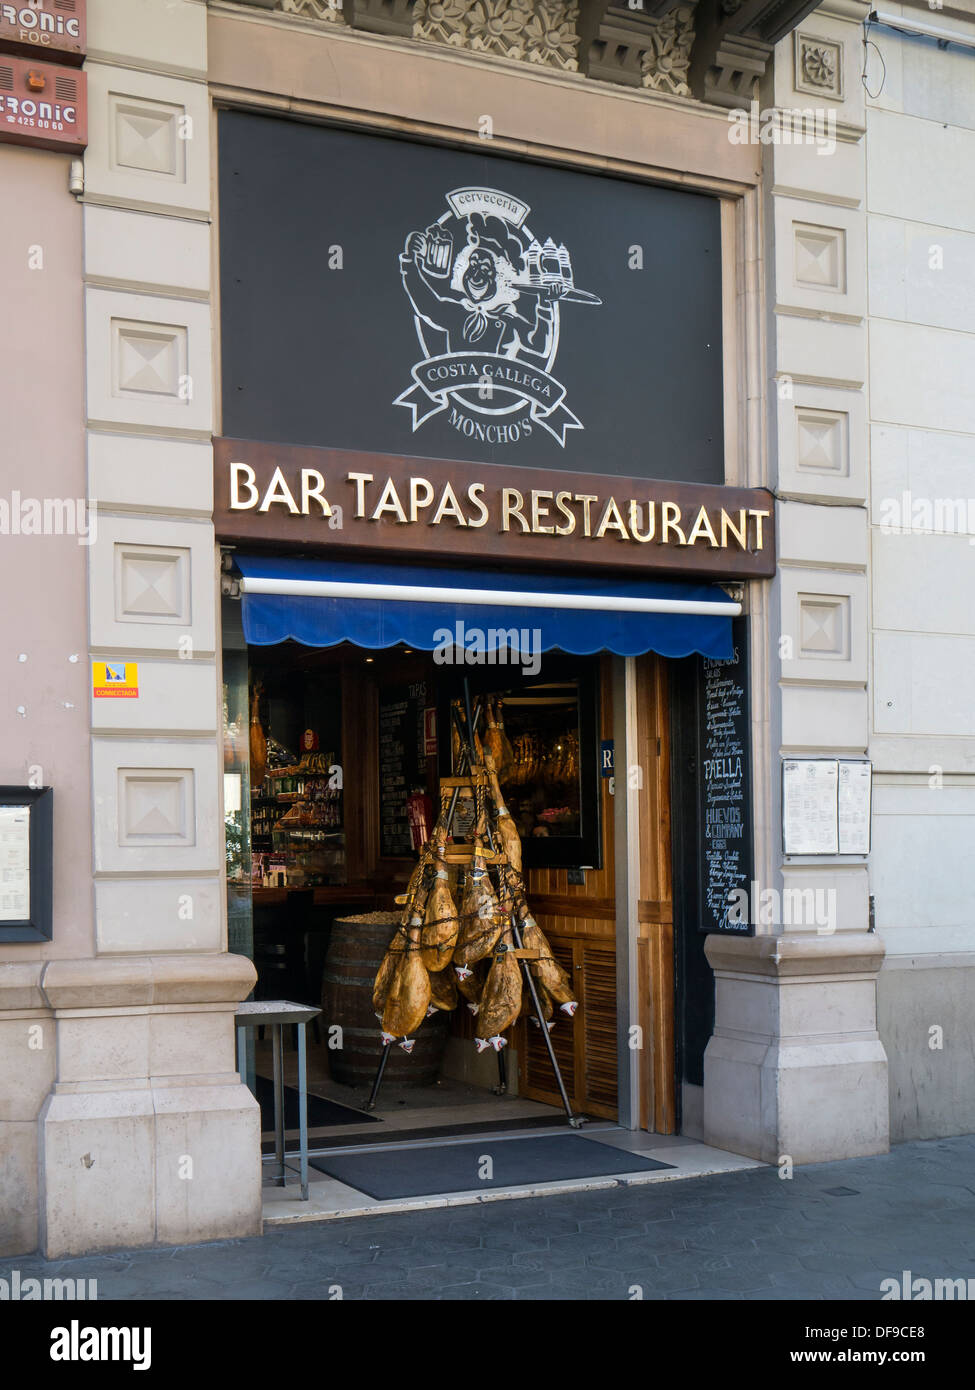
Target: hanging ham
{"x": 409, "y": 993}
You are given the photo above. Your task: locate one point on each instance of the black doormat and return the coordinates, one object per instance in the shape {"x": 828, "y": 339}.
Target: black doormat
{"x": 421, "y": 1172}
{"x": 321, "y": 1112}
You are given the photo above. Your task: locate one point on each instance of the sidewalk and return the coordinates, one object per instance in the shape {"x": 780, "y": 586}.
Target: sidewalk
{"x": 834, "y": 1231}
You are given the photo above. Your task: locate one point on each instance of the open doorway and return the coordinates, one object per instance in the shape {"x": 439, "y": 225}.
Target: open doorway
{"x": 355, "y": 746}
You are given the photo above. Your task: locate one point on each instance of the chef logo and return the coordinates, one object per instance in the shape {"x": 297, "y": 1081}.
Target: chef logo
{"x": 486, "y": 297}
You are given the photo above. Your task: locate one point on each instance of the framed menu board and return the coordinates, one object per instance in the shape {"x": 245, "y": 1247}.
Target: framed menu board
{"x": 26, "y": 860}
{"x": 826, "y": 805}
{"x": 402, "y": 762}
{"x": 724, "y": 783}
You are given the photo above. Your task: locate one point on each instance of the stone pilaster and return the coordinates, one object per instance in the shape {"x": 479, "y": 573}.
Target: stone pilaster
{"x": 148, "y": 1135}
{"x": 795, "y": 1068}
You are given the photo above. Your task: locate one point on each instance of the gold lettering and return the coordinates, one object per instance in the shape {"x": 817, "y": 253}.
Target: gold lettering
{"x": 278, "y": 491}
{"x": 634, "y": 526}
{"x": 449, "y": 506}
{"x": 242, "y": 473}
{"x": 587, "y": 500}
{"x": 539, "y": 511}
{"x": 512, "y": 503}
{"x": 612, "y": 511}
{"x": 702, "y": 527}
{"x": 759, "y": 517}
{"x": 415, "y": 500}
{"x": 308, "y": 491}
{"x": 474, "y": 494}
{"x": 670, "y": 521}
{"x": 360, "y": 480}
{"x": 740, "y": 532}
{"x": 560, "y": 500}
{"x": 389, "y": 502}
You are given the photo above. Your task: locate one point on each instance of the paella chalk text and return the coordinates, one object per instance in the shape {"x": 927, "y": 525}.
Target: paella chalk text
{"x": 536, "y": 511}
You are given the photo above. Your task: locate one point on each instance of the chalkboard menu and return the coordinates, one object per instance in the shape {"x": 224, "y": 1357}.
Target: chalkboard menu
{"x": 725, "y": 789}
{"x": 402, "y": 762}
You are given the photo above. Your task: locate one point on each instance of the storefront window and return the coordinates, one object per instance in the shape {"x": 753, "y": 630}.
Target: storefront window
{"x": 236, "y": 793}
{"x": 297, "y": 808}
{"x": 542, "y": 732}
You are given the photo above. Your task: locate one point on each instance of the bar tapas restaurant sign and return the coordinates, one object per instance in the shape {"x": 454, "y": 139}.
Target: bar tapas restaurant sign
{"x": 344, "y": 500}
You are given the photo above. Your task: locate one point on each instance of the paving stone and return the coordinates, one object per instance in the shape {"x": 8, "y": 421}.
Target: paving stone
{"x": 703, "y": 1261}
{"x": 583, "y": 1243}
{"x": 708, "y": 1295}
{"x": 712, "y": 1237}
{"x": 650, "y": 1246}
{"x": 513, "y": 1242}
{"x": 474, "y": 1292}
{"x": 511, "y": 1277}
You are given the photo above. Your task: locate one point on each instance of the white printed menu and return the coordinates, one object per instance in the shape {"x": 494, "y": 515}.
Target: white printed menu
{"x": 854, "y": 807}
{"x": 14, "y": 863}
{"x": 809, "y": 806}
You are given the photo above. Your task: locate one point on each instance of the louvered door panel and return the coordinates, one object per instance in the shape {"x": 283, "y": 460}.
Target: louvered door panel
{"x": 586, "y": 1046}
{"x": 538, "y": 1082}
{"x": 599, "y": 1028}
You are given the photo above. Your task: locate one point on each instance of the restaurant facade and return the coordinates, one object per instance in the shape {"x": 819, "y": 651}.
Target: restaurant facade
{"x": 455, "y": 374}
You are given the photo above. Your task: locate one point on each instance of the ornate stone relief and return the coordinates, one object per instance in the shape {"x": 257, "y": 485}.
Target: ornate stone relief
{"x": 819, "y": 66}
{"x": 710, "y": 50}
{"x": 665, "y": 64}
{"x": 530, "y": 31}
{"x": 328, "y": 11}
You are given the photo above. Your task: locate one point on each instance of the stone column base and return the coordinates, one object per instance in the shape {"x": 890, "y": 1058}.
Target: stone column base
{"x": 148, "y": 1135}
{"x": 795, "y": 1067}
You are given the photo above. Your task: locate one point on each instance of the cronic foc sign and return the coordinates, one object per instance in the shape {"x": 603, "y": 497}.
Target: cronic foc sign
{"x": 48, "y": 26}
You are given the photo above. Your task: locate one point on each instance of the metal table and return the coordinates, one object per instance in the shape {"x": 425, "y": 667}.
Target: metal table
{"x": 279, "y": 1014}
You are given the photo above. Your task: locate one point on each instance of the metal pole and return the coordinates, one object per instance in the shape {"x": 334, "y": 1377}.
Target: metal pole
{"x": 502, "y": 1087}
{"x": 371, "y": 1102}
{"x": 303, "y": 1112}
{"x": 277, "y": 1061}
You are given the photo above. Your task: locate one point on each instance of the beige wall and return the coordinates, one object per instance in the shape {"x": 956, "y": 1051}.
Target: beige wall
{"x": 43, "y": 588}
{"x": 42, "y": 578}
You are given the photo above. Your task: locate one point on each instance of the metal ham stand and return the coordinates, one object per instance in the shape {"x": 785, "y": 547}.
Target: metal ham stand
{"x": 576, "y": 1121}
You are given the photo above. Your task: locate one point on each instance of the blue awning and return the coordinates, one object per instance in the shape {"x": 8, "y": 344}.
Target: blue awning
{"x": 323, "y": 602}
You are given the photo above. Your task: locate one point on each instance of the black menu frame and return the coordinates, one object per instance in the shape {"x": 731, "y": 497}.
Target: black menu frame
{"x": 38, "y": 925}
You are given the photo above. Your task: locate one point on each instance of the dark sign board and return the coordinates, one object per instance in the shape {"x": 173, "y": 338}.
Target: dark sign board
{"x": 334, "y": 500}
{"x": 725, "y": 791}
{"x": 45, "y": 28}
{"x": 406, "y": 298}
{"x": 42, "y": 104}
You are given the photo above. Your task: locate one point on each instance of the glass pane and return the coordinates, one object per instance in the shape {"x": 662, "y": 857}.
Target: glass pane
{"x": 236, "y": 785}
{"x": 297, "y": 810}
{"x": 534, "y": 729}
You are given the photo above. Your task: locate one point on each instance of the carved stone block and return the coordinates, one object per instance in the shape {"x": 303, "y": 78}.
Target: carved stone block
{"x": 819, "y": 66}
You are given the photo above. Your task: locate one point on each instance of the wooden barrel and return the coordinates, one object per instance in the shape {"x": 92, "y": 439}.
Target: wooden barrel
{"x": 355, "y": 952}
